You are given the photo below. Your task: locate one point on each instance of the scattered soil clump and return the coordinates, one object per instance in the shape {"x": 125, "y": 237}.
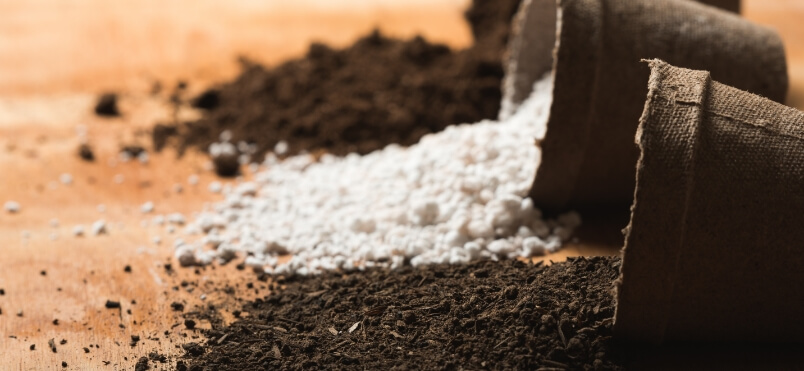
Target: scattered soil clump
{"x": 142, "y": 364}
{"x": 359, "y": 99}
{"x": 112, "y": 304}
{"x": 107, "y": 105}
{"x": 490, "y": 21}
{"x": 85, "y": 153}
{"x": 499, "y": 315}
{"x": 208, "y": 100}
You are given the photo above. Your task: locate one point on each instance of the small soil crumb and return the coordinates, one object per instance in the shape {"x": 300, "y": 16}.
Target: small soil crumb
{"x": 107, "y": 105}
{"x": 190, "y": 324}
{"x": 52, "y": 344}
{"x": 496, "y": 315}
{"x": 156, "y": 357}
{"x": 127, "y": 269}
{"x": 225, "y": 158}
{"x": 63, "y": 364}
{"x": 193, "y": 349}
{"x": 177, "y": 306}
{"x": 208, "y": 100}
{"x": 160, "y": 135}
{"x": 142, "y": 364}
{"x": 86, "y": 153}
{"x": 32, "y": 347}
{"x": 112, "y": 304}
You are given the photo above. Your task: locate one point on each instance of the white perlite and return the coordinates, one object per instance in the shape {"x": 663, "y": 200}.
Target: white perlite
{"x": 99, "y": 228}
{"x": 147, "y": 207}
{"x": 12, "y": 207}
{"x": 215, "y": 187}
{"x": 78, "y": 230}
{"x": 456, "y": 196}
{"x": 66, "y": 179}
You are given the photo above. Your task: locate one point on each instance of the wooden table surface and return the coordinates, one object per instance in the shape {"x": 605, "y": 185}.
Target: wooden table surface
{"x": 56, "y": 56}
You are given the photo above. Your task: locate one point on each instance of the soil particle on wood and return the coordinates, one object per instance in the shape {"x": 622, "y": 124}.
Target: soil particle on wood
{"x": 161, "y": 133}
{"x": 85, "y": 153}
{"x": 156, "y": 357}
{"x": 107, "y": 105}
{"x": 142, "y": 364}
{"x": 498, "y": 315}
{"x": 112, "y": 304}
{"x": 209, "y": 99}
{"x": 375, "y": 92}
{"x": 132, "y": 150}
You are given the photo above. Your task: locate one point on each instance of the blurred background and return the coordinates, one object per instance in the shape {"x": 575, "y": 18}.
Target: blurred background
{"x": 57, "y": 56}
{"x": 50, "y": 46}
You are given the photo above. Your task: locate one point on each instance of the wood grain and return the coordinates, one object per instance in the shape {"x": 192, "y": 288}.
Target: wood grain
{"x": 57, "y": 55}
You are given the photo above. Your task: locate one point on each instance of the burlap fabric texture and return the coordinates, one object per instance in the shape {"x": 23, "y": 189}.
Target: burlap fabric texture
{"x": 713, "y": 250}
{"x": 730, "y": 5}
{"x": 593, "y": 48}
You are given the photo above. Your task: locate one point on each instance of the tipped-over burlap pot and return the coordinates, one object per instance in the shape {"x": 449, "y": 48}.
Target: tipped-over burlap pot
{"x": 593, "y": 49}
{"x": 713, "y": 250}
{"x": 730, "y": 5}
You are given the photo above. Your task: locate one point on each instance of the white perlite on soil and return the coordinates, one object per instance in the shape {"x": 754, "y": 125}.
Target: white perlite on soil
{"x": 456, "y": 196}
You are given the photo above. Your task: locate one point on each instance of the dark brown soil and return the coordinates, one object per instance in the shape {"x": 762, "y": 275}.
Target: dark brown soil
{"x": 85, "y": 153}
{"x": 376, "y": 92}
{"x": 489, "y": 315}
{"x": 107, "y": 105}
{"x": 490, "y": 21}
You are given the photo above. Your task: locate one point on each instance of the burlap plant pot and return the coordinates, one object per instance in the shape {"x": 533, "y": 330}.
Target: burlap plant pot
{"x": 730, "y": 5}
{"x": 593, "y": 49}
{"x": 713, "y": 250}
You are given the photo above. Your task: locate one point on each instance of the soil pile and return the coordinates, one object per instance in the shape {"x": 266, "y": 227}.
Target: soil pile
{"x": 482, "y": 315}
{"x": 490, "y": 21}
{"x": 376, "y": 92}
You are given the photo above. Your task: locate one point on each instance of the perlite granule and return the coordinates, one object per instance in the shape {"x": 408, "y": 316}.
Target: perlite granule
{"x": 66, "y": 179}
{"x": 456, "y": 196}
{"x": 78, "y": 230}
{"x": 147, "y": 207}
{"x": 12, "y": 207}
{"x": 99, "y": 227}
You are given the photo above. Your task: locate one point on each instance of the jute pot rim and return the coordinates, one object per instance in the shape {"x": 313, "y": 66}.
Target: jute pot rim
{"x": 573, "y": 83}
